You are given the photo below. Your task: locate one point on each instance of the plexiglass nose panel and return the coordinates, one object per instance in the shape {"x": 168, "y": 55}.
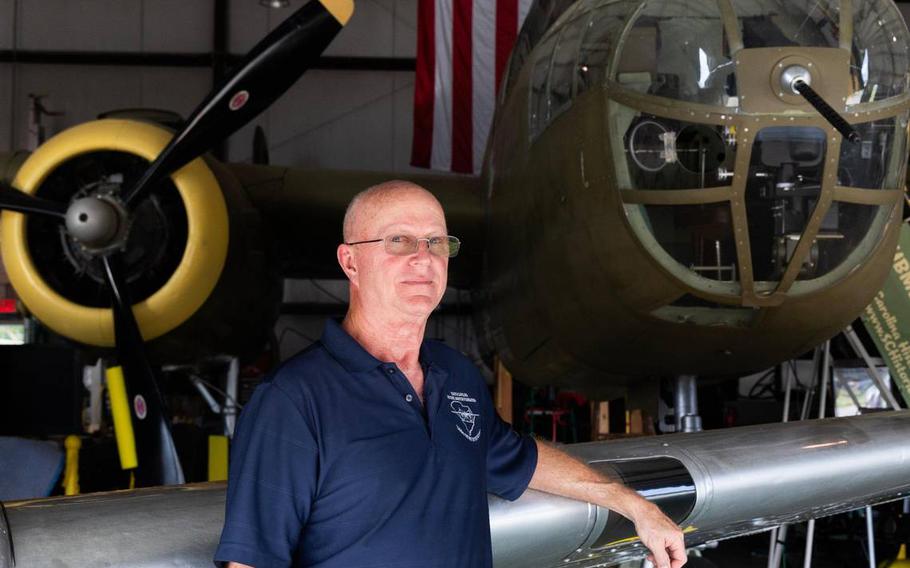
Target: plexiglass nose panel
{"x": 784, "y": 23}
{"x": 845, "y": 228}
{"x": 876, "y": 162}
{"x": 678, "y": 50}
{"x": 740, "y": 189}
{"x": 666, "y": 154}
{"x": 782, "y": 191}
{"x": 699, "y": 237}
{"x": 879, "y": 60}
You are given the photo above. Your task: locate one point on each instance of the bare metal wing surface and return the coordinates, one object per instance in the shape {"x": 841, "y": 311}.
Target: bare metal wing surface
{"x": 716, "y": 484}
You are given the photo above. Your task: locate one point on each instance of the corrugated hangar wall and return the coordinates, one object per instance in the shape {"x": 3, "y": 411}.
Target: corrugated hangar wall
{"x": 365, "y": 122}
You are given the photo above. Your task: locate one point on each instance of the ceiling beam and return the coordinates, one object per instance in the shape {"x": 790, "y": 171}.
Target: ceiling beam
{"x": 136, "y": 59}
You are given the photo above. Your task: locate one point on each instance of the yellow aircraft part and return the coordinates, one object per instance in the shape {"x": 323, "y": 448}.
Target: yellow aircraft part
{"x": 341, "y": 10}
{"x": 192, "y": 281}
{"x": 218, "y": 458}
{"x": 900, "y": 562}
{"x": 630, "y": 539}
{"x": 123, "y": 421}
{"x": 71, "y": 471}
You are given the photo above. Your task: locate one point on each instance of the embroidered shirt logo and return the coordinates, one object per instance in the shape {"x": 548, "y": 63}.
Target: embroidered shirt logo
{"x": 469, "y": 426}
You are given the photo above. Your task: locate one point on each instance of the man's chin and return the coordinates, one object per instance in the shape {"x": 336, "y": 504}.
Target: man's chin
{"x": 420, "y": 305}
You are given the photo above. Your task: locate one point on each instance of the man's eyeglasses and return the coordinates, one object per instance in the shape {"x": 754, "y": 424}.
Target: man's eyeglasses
{"x": 403, "y": 245}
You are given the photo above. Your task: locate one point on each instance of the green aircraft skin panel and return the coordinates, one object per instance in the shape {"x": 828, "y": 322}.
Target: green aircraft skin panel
{"x": 571, "y": 294}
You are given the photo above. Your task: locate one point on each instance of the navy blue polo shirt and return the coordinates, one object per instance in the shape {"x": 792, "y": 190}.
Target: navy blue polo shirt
{"x": 336, "y": 463}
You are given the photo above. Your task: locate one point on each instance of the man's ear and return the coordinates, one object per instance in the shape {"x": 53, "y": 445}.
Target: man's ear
{"x": 345, "y": 256}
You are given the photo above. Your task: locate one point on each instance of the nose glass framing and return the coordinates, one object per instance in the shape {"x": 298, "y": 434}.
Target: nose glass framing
{"x": 403, "y": 245}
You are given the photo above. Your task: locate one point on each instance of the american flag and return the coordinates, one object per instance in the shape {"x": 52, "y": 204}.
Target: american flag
{"x": 462, "y": 50}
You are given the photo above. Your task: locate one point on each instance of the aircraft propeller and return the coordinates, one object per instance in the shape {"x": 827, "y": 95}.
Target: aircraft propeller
{"x": 101, "y": 223}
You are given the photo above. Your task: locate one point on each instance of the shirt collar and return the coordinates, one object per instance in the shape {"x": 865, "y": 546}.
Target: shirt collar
{"x": 352, "y": 356}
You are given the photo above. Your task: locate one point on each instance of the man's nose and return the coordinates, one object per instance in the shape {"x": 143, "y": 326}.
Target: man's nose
{"x": 423, "y": 251}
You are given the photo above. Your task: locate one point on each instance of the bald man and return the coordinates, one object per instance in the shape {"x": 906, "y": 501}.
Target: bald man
{"x": 375, "y": 447}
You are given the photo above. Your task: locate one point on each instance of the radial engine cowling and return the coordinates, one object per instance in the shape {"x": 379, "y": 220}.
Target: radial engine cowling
{"x": 197, "y": 262}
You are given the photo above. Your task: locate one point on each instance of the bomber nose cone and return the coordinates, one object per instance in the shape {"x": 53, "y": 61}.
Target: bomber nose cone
{"x": 92, "y": 221}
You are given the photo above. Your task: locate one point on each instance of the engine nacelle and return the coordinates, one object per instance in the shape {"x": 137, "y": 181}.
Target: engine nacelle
{"x": 198, "y": 266}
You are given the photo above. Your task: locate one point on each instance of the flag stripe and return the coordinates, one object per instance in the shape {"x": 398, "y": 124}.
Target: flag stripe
{"x": 506, "y": 32}
{"x": 424, "y": 86}
{"x": 484, "y": 71}
{"x": 441, "y": 158}
{"x": 463, "y": 48}
{"x": 462, "y": 85}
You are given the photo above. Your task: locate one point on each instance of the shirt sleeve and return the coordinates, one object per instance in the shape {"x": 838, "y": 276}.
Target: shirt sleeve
{"x": 271, "y": 482}
{"x": 511, "y": 457}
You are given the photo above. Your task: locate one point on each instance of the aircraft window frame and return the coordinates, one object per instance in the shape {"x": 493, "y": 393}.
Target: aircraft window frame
{"x": 547, "y": 48}
{"x": 845, "y": 227}
{"x": 703, "y": 71}
{"x": 661, "y": 154}
{"x": 638, "y": 220}
{"x": 538, "y": 94}
{"x": 707, "y": 248}
{"x": 603, "y": 12}
{"x": 886, "y": 137}
{"x": 575, "y": 24}
{"x": 890, "y": 22}
{"x": 825, "y": 28}
{"x": 579, "y": 19}
{"x": 784, "y": 191}
{"x": 540, "y": 18}
{"x": 855, "y": 258}
{"x": 517, "y": 59}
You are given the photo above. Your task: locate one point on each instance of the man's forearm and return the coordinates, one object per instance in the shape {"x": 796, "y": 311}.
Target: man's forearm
{"x": 563, "y": 475}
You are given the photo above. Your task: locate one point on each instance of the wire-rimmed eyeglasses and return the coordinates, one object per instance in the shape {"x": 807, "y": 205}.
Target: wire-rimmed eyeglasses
{"x": 403, "y": 245}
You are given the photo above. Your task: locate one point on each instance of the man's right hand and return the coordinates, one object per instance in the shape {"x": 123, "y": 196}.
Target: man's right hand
{"x": 661, "y": 536}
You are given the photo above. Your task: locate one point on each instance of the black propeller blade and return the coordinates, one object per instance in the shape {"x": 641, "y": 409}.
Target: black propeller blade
{"x": 15, "y": 200}
{"x": 270, "y": 68}
{"x": 158, "y": 461}
{"x": 266, "y": 72}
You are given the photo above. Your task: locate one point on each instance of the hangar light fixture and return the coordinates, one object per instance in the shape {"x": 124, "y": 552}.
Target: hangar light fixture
{"x": 275, "y": 3}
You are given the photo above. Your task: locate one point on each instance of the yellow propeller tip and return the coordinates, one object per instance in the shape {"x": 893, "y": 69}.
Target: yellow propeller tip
{"x": 341, "y": 10}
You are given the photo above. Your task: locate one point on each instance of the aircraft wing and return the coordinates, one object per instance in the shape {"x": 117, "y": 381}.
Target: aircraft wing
{"x": 715, "y": 484}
